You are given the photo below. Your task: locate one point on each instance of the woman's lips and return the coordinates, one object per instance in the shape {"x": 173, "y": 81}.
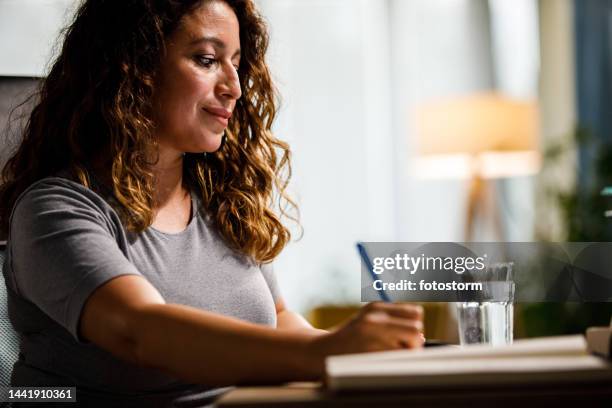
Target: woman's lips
{"x": 222, "y": 115}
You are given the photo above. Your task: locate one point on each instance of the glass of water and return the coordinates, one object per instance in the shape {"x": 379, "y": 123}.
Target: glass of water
{"x": 488, "y": 318}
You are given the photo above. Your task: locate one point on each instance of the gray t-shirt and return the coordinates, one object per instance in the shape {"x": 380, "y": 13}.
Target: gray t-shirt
{"x": 65, "y": 241}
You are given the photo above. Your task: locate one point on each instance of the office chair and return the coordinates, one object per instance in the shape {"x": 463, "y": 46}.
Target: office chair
{"x": 9, "y": 340}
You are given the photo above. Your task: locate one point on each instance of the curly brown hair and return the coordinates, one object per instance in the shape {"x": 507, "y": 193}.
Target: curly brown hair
{"x": 96, "y": 104}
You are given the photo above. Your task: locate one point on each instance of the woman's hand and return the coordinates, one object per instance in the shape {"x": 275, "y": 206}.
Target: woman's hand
{"x": 378, "y": 326}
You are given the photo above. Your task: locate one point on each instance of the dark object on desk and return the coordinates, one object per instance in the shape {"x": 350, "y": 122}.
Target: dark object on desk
{"x": 436, "y": 343}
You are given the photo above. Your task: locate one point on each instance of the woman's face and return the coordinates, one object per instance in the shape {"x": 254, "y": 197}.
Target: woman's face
{"x": 197, "y": 86}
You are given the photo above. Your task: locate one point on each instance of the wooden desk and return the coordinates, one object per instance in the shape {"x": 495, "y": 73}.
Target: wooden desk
{"x": 313, "y": 395}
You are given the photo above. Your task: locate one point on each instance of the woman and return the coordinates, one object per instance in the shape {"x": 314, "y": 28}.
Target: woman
{"x": 139, "y": 216}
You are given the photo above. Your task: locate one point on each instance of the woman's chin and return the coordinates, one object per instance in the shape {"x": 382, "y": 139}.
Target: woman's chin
{"x": 217, "y": 144}
{"x": 208, "y": 144}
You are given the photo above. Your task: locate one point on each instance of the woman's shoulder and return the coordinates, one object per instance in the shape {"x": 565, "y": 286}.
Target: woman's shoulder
{"x": 59, "y": 187}
{"x": 60, "y": 193}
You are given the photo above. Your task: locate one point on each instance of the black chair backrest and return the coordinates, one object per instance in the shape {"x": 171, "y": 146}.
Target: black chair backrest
{"x": 9, "y": 340}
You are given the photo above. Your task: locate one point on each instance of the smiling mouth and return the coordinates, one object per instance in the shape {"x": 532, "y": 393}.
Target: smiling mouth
{"x": 220, "y": 115}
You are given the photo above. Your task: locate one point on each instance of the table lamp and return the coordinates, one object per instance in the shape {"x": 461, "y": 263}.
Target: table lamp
{"x": 477, "y": 137}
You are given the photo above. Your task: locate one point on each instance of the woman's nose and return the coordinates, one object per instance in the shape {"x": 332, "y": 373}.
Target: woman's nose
{"x": 229, "y": 83}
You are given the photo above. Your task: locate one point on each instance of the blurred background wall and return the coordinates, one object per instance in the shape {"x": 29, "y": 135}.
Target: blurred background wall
{"x": 29, "y": 31}
{"x": 351, "y": 74}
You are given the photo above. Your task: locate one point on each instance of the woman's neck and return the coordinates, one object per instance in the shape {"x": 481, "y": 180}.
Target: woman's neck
{"x": 169, "y": 183}
{"x": 172, "y": 208}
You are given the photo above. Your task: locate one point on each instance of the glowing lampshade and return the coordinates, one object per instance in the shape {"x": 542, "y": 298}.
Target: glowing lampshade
{"x": 480, "y": 135}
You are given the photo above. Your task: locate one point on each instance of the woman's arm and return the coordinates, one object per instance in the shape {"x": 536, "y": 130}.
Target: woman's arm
{"x": 128, "y": 317}
{"x": 286, "y": 319}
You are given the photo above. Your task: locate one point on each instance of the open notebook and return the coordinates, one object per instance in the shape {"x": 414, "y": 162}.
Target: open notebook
{"x": 531, "y": 361}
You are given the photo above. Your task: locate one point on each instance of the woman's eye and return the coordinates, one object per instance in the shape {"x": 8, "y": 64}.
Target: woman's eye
{"x": 205, "y": 61}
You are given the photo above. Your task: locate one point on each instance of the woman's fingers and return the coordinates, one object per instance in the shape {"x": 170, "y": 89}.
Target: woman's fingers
{"x": 409, "y": 325}
{"x": 393, "y": 326}
{"x": 406, "y": 333}
{"x": 404, "y": 310}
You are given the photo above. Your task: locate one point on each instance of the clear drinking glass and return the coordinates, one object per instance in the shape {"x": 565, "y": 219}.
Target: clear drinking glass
{"x": 489, "y": 317}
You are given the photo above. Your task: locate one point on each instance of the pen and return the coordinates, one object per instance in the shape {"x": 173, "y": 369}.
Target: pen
{"x": 365, "y": 258}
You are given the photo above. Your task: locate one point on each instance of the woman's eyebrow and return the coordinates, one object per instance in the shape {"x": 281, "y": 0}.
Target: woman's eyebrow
{"x": 215, "y": 41}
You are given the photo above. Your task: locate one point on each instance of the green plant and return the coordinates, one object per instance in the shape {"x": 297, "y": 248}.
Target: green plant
{"x": 582, "y": 210}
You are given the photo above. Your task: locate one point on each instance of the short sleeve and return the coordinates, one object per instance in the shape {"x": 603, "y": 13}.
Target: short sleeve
{"x": 267, "y": 271}
{"x": 63, "y": 246}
